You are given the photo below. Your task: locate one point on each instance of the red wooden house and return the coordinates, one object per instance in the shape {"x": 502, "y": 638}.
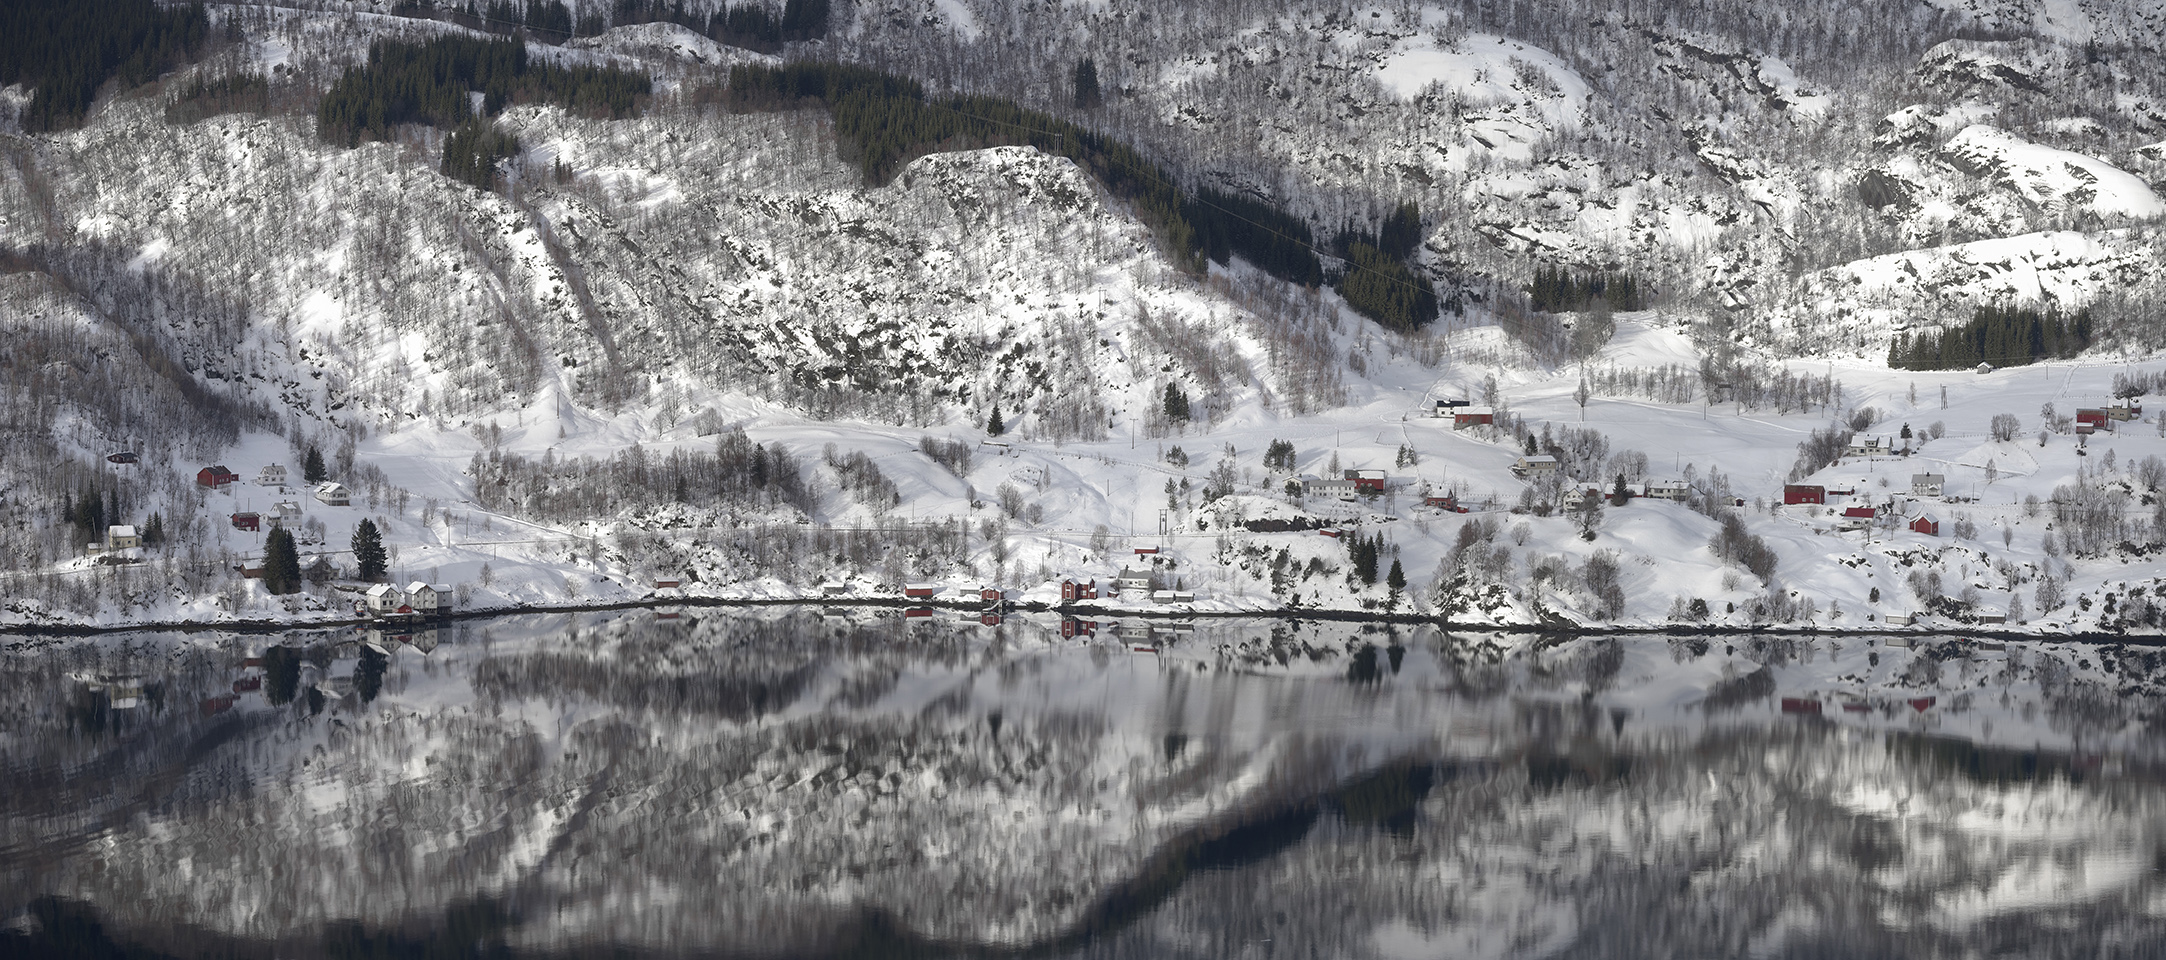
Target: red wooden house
{"x": 1794, "y": 493}
{"x": 1465, "y": 417}
{"x": 215, "y": 477}
{"x": 2095, "y": 417}
{"x": 247, "y": 520}
{"x": 1925, "y": 524}
{"x": 1074, "y": 590}
{"x": 921, "y": 591}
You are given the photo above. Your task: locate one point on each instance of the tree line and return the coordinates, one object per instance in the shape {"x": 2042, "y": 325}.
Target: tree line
{"x": 2001, "y": 336}
{"x": 1557, "y": 290}
{"x": 431, "y": 83}
{"x": 66, "y": 49}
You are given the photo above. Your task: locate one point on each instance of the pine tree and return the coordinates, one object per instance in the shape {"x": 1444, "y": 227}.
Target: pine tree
{"x": 994, "y": 426}
{"x": 1176, "y": 403}
{"x": 368, "y": 550}
{"x": 282, "y": 563}
{"x": 1087, "y": 94}
{"x": 1396, "y": 581}
{"x": 312, "y": 466}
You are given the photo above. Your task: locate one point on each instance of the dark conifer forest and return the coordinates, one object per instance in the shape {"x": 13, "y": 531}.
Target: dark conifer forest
{"x": 67, "y": 49}
{"x": 430, "y": 83}
{"x": 1998, "y": 335}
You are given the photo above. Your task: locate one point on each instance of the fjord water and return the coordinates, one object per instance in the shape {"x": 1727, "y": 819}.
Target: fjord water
{"x": 793, "y": 782}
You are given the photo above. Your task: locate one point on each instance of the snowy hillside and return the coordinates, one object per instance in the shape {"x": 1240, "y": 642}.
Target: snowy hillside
{"x": 698, "y": 345}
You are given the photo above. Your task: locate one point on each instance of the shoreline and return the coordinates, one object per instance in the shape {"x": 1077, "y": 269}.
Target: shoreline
{"x": 1081, "y": 611}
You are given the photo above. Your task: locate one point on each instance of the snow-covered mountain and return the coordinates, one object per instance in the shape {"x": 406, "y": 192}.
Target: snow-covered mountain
{"x": 665, "y": 301}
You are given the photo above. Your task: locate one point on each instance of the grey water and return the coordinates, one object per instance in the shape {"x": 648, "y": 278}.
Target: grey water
{"x": 788, "y": 782}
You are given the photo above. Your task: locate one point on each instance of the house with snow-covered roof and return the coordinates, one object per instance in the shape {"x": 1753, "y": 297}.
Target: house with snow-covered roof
{"x": 1927, "y": 484}
{"x": 334, "y": 494}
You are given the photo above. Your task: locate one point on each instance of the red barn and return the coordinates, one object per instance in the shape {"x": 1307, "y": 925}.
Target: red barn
{"x": 1465, "y": 417}
{"x": 1445, "y": 502}
{"x": 1860, "y": 513}
{"x": 2095, "y": 417}
{"x": 1367, "y": 479}
{"x": 989, "y": 594}
{"x": 921, "y": 591}
{"x": 1804, "y": 493}
{"x": 247, "y": 520}
{"x": 1925, "y": 524}
{"x": 1333, "y": 534}
{"x": 215, "y": 477}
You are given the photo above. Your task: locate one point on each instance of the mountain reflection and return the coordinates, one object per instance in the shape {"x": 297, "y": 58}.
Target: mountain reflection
{"x": 791, "y": 783}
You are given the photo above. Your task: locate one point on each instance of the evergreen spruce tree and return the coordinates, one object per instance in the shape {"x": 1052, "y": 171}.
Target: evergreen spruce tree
{"x": 312, "y": 466}
{"x": 368, "y": 550}
{"x": 1087, "y": 94}
{"x": 994, "y": 426}
{"x": 1176, "y": 403}
{"x": 281, "y": 563}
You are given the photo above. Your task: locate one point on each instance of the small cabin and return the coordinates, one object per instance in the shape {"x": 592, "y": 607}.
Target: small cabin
{"x": 1534, "y": 466}
{"x": 248, "y": 520}
{"x": 215, "y": 477}
{"x": 123, "y": 458}
{"x": 1927, "y": 484}
{"x": 1926, "y": 524}
{"x": 1172, "y": 596}
{"x": 1448, "y": 406}
{"x": 1796, "y": 493}
{"x": 1445, "y": 502}
{"x": 921, "y": 591}
{"x": 334, "y": 494}
{"x": 991, "y": 594}
{"x": 122, "y": 537}
{"x": 2124, "y": 411}
{"x": 272, "y": 475}
{"x": 1133, "y": 580}
{"x": 1465, "y": 417}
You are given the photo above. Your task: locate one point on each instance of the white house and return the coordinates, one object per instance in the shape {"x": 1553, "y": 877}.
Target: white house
{"x": 1344, "y": 489}
{"x": 383, "y": 598}
{"x": 1133, "y": 579}
{"x": 1668, "y": 490}
{"x": 1927, "y": 484}
{"x": 285, "y": 511}
{"x": 1534, "y": 465}
{"x": 334, "y": 494}
{"x": 1868, "y": 447}
{"x": 273, "y": 475}
{"x": 429, "y": 598}
{"x": 122, "y": 537}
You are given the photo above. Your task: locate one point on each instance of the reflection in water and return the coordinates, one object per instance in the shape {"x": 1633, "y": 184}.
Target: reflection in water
{"x": 788, "y": 783}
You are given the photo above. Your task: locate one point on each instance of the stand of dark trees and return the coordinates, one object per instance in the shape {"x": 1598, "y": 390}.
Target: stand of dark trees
{"x": 66, "y": 49}
{"x": 739, "y": 474}
{"x": 1379, "y": 281}
{"x": 1556, "y": 290}
{"x": 885, "y": 121}
{"x": 430, "y": 83}
{"x": 472, "y": 151}
{"x": 2001, "y": 336}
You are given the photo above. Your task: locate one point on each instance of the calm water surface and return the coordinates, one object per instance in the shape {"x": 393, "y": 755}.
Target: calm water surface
{"x": 795, "y": 782}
